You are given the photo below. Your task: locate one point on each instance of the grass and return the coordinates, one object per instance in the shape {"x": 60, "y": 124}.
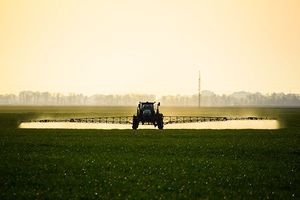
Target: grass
{"x": 143, "y": 164}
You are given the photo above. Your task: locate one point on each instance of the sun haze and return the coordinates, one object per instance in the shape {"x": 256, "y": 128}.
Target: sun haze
{"x": 149, "y": 46}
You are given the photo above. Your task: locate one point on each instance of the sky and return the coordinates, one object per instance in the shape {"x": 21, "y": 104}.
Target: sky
{"x": 157, "y": 47}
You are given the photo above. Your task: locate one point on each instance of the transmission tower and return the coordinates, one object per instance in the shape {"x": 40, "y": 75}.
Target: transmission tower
{"x": 199, "y": 90}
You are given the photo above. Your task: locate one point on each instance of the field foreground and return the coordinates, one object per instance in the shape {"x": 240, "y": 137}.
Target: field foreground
{"x": 167, "y": 164}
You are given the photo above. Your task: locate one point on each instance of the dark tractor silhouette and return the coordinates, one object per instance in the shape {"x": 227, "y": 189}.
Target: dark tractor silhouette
{"x": 146, "y": 114}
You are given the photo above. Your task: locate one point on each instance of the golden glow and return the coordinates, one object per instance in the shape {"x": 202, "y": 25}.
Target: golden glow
{"x": 149, "y": 46}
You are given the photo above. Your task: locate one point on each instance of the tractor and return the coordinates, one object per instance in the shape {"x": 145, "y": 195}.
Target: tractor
{"x": 146, "y": 114}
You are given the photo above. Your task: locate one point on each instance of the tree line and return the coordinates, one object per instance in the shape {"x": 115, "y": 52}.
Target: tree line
{"x": 208, "y": 99}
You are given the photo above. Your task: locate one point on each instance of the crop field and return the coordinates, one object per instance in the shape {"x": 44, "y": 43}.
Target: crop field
{"x": 148, "y": 164}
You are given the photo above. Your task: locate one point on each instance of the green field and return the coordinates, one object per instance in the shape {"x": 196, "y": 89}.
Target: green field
{"x": 148, "y": 164}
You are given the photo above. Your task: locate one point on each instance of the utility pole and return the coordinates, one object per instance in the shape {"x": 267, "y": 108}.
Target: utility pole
{"x": 199, "y": 90}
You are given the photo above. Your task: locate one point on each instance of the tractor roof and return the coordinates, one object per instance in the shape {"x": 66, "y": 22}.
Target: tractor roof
{"x": 147, "y": 102}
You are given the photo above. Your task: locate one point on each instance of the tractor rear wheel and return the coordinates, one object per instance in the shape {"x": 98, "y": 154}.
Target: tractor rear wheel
{"x": 135, "y": 123}
{"x": 160, "y": 122}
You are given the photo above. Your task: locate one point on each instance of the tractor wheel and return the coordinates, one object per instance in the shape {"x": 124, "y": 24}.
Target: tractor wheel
{"x": 160, "y": 123}
{"x": 135, "y": 123}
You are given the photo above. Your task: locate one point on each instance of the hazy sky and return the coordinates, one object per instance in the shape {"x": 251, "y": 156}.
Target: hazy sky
{"x": 156, "y": 47}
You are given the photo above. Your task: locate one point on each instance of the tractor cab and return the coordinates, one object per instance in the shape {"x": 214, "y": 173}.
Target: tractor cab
{"x": 146, "y": 109}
